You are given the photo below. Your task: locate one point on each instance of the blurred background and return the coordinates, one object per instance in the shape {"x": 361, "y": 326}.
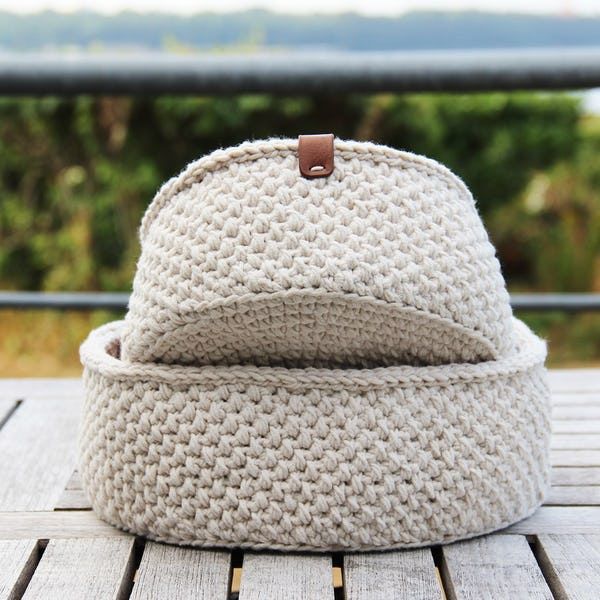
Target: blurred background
{"x": 77, "y": 173}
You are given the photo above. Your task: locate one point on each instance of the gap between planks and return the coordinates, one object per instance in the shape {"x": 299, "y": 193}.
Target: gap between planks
{"x": 79, "y": 524}
{"x": 38, "y": 450}
{"x": 502, "y": 567}
{"x": 18, "y": 560}
{"x": 70, "y": 569}
{"x": 571, "y": 565}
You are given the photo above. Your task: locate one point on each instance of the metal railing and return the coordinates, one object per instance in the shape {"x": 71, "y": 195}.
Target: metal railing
{"x": 302, "y": 72}
{"x": 325, "y": 73}
{"x": 117, "y": 301}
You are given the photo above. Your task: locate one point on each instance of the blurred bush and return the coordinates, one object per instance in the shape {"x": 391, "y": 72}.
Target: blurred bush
{"x": 549, "y": 234}
{"x": 77, "y": 174}
{"x": 493, "y": 141}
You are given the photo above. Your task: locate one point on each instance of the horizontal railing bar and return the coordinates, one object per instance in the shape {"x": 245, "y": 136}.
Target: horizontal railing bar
{"x": 561, "y": 302}
{"x": 65, "y": 300}
{"x": 301, "y": 72}
{"x": 118, "y": 301}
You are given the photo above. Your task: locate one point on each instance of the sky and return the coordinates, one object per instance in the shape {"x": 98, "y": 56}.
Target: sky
{"x": 369, "y": 7}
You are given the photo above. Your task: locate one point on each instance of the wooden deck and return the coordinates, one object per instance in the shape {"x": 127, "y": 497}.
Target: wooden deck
{"x": 52, "y": 546}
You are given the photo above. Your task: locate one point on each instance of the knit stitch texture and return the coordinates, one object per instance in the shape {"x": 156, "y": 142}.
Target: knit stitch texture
{"x": 325, "y": 364}
{"x": 245, "y": 261}
{"x": 314, "y": 459}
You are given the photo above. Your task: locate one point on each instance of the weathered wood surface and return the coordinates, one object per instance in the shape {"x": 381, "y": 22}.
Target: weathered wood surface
{"x": 572, "y": 565}
{"x": 572, "y": 426}
{"x": 41, "y": 499}
{"x": 581, "y": 399}
{"x": 574, "y": 380}
{"x": 182, "y": 574}
{"x": 560, "y": 519}
{"x": 498, "y": 567}
{"x": 7, "y": 406}
{"x": 575, "y": 412}
{"x": 581, "y": 441}
{"x": 83, "y": 568}
{"x": 563, "y": 476}
{"x": 40, "y": 388}
{"x": 38, "y": 453}
{"x": 408, "y": 575}
{"x": 45, "y": 525}
{"x": 72, "y": 500}
{"x": 575, "y": 458}
{"x": 585, "y": 495}
{"x": 17, "y": 562}
{"x": 73, "y": 496}
{"x": 286, "y": 577}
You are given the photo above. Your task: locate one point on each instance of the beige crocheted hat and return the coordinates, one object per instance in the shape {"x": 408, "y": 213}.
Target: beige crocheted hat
{"x": 319, "y": 354}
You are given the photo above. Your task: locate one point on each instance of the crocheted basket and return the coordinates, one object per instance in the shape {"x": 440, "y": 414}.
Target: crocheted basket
{"x": 315, "y": 364}
{"x": 244, "y": 260}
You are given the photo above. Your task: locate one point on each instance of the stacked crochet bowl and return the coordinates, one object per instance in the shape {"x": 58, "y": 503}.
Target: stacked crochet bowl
{"x": 315, "y": 364}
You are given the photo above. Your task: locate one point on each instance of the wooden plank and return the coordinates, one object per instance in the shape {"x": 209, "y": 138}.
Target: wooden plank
{"x": 182, "y": 574}
{"x": 575, "y": 441}
{"x": 73, "y": 497}
{"x": 76, "y": 523}
{"x": 575, "y": 413}
{"x": 73, "y": 500}
{"x": 498, "y": 567}
{"x": 594, "y": 540}
{"x": 560, "y": 519}
{"x": 571, "y": 565}
{"x": 582, "y": 426}
{"x": 38, "y": 450}
{"x": 408, "y": 575}
{"x": 54, "y": 524}
{"x": 575, "y": 458}
{"x": 571, "y": 495}
{"x": 574, "y": 380}
{"x": 286, "y": 577}
{"x": 575, "y": 476}
{"x": 581, "y": 399}
{"x": 7, "y": 406}
{"x": 72, "y": 569}
{"x": 17, "y": 562}
{"x": 74, "y": 482}
{"x": 40, "y": 388}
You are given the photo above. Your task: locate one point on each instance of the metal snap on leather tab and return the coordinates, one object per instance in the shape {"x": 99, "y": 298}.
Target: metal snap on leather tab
{"x": 315, "y": 155}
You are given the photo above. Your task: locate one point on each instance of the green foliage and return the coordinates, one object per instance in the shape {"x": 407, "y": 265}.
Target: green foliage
{"x": 70, "y": 198}
{"x": 76, "y": 175}
{"x": 549, "y": 236}
{"x": 494, "y": 141}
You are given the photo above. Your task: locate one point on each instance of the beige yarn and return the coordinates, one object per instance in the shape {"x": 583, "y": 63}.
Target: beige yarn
{"x": 384, "y": 262}
{"x": 314, "y": 459}
{"x": 327, "y": 364}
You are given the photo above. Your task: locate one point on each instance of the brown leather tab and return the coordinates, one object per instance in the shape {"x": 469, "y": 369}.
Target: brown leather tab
{"x": 315, "y": 155}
